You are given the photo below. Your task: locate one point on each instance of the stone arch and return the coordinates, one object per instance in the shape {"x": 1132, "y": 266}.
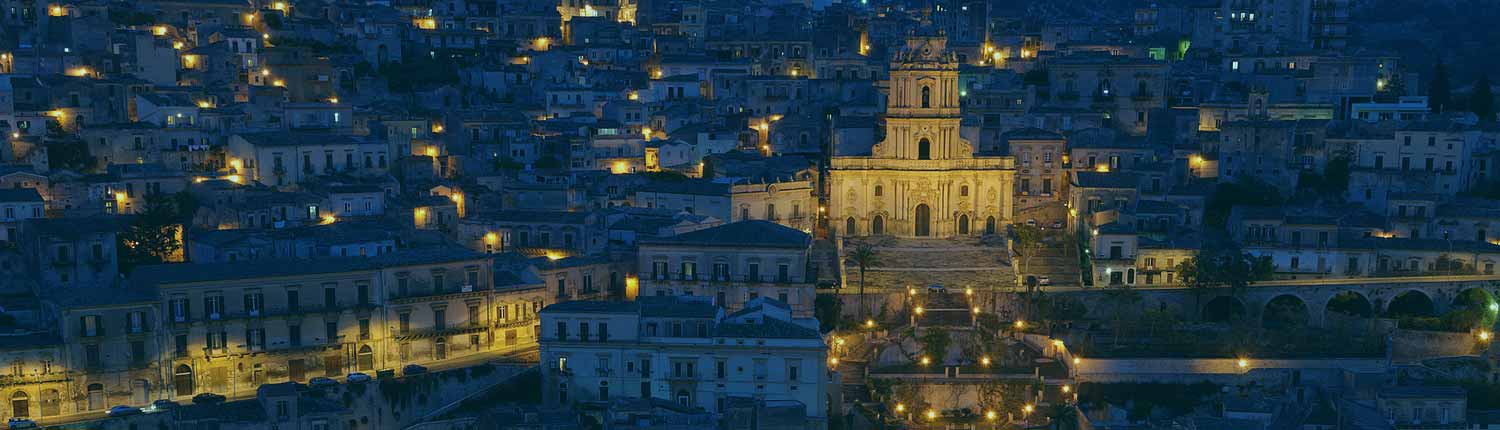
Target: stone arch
{"x": 365, "y": 358}
{"x": 926, "y": 97}
{"x": 1473, "y": 298}
{"x": 1223, "y": 309}
{"x": 850, "y": 227}
{"x": 1411, "y": 303}
{"x": 1285, "y": 311}
{"x": 95, "y": 396}
{"x": 922, "y": 221}
{"x": 924, "y": 149}
{"x": 990, "y": 225}
{"x": 1350, "y": 303}
{"x": 182, "y": 380}
{"x": 963, "y": 224}
{"x": 20, "y": 404}
{"x": 877, "y": 225}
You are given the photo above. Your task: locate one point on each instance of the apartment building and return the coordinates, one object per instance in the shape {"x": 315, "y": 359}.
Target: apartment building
{"x": 733, "y": 264}
{"x": 682, "y": 349}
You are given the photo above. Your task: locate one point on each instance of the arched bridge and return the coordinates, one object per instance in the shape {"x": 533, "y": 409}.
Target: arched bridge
{"x": 1316, "y": 299}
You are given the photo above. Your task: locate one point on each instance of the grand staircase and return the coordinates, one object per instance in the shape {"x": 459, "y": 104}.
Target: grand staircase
{"x": 918, "y": 263}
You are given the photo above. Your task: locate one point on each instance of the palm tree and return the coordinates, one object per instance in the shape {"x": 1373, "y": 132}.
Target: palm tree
{"x": 863, "y": 256}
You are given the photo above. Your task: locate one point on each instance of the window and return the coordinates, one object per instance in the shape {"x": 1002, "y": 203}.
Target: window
{"x": 90, "y": 326}
{"x": 179, "y": 309}
{"x": 213, "y": 306}
{"x": 331, "y": 332}
{"x": 926, "y": 97}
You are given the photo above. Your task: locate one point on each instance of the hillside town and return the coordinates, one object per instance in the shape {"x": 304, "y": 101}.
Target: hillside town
{"x": 749, "y": 215}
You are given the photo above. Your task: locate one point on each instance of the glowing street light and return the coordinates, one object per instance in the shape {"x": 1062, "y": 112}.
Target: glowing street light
{"x": 869, "y": 323}
{"x": 985, "y": 361}
{"x": 926, "y": 361}
{"x": 1484, "y": 335}
{"x": 1243, "y": 363}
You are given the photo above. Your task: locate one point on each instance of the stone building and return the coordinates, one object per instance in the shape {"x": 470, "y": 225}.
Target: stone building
{"x": 923, "y": 180}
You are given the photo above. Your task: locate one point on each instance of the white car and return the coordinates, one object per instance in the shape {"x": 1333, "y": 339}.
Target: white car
{"x": 1043, "y": 280}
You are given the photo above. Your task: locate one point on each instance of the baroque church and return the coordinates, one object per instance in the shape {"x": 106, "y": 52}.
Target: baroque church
{"x": 923, "y": 180}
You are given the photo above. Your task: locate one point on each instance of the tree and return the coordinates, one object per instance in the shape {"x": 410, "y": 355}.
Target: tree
{"x": 1222, "y": 266}
{"x": 935, "y": 344}
{"x": 1029, "y": 242}
{"x": 1439, "y": 90}
{"x": 863, "y": 256}
{"x": 827, "y": 308}
{"x": 69, "y": 154}
{"x": 1481, "y": 100}
{"x": 1062, "y": 417}
{"x": 153, "y": 235}
{"x": 1248, "y": 192}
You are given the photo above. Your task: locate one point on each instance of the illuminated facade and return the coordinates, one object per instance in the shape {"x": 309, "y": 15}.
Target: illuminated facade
{"x": 923, "y": 180}
{"x": 175, "y": 331}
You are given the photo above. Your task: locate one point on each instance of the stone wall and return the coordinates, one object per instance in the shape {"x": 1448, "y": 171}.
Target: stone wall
{"x": 1411, "y": 346}
{"x": 1218, "y": 370}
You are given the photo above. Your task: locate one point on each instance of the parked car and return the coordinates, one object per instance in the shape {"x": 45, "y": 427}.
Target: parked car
{"x": 1057, "y": 224}
{"x": 208, "y": 399}
{"x": 935, "y": 288}
{"x": 357, "y": 377}
{"x": 162, "y": 405}
{"x": 1043, "y": 280}
{"x": 322, "y": 382}
{"x": 413, "y": 369}
{"x": 20, "y": 423}
{"x": 123, "y": 410}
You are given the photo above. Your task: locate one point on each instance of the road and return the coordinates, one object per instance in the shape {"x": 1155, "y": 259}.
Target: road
{"x": 518, "y": 356}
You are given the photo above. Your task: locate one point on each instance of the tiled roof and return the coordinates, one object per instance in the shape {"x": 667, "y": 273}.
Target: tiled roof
{"x": 754, "y": 233}
{"x": 187, "y": 273}
{"x": 14, "y": 195}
